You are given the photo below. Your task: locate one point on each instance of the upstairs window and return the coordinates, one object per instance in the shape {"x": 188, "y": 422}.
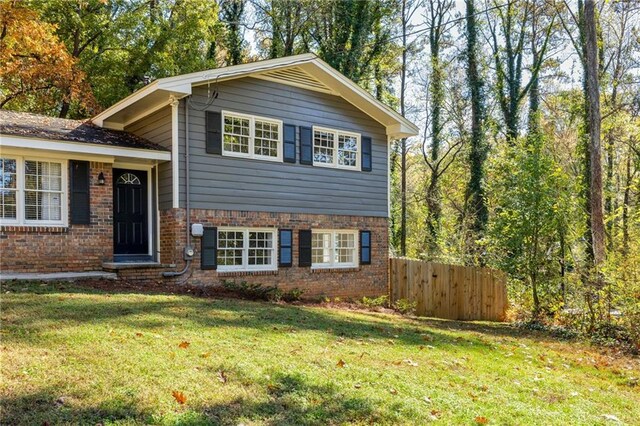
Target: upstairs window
{"x": 336, "y": 148}
{"x": 251, "y": 137}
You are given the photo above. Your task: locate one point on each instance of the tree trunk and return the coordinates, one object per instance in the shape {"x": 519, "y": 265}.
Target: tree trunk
{"x": 476, "y": 204}
{"x": 625, "y": 207}
{"x": 595, "y": 149}
{"x": 403, "y": 159}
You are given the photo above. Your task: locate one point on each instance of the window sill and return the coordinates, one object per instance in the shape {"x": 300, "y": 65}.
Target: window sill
{"x": 246, "y": 273}
{"x": 31, "y": 228}
{"x": 320, "y": 270}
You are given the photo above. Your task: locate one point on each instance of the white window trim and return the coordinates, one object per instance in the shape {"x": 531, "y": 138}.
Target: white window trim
{"x": 252, "y": 131}
{"x": 333, "y": 264}
{"x": 245, "y": 267}
{"x": 20, "y": 193}
{"x": 336, "y": 133}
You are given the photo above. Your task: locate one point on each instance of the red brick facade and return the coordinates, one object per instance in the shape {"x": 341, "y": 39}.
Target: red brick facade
{"x": 364, "y": 280}
{"x": 64, "y": 249}
{"x": 85, "y": 247}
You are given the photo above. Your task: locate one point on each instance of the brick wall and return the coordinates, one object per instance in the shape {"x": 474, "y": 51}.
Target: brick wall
{"x": 369, "y": 280}
{"x": 59, "y": 249}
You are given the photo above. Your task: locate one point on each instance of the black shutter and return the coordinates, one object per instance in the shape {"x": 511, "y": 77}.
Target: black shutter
{"x": 366, "y": 154}
{"x": 306, "y": 146}
{"x": 285, "y": 248}
{"x": 365, "y": 247}
{"x": 289, "y": 147}
{"x": 209, "y": 255}
{"x": 80, "y": 199}
{"x": 304, "y": 247}
{"x": 214, "y": 132}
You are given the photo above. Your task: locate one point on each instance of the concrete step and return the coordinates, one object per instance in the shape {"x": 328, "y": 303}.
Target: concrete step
{"x": 58, "y": 276}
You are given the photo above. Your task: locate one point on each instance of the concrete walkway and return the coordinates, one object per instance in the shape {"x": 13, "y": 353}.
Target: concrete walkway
{"x": 59, "y": 276}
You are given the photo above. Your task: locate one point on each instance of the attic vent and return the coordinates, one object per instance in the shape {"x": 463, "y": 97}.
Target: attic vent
{"x": 295, "y": 77}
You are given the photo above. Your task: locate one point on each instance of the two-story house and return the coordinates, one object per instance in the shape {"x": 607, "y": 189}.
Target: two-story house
{"x": 273, "y": 172}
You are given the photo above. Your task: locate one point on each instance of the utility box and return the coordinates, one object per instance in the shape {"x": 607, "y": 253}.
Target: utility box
{"x": 197, "y": 230}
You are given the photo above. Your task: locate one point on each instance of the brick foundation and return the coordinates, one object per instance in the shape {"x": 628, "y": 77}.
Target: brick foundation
{"x": 365, "y": 280}
{"x": 64, "y": 249}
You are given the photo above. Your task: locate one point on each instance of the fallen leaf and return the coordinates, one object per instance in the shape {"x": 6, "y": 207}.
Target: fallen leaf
{"x": 341, "y": 364}
{"x": 481, "y": 420}
{"x": 179, "y": 397}
{"x": 205, "y": 355}
{"x": 427, "y": 400}
{"x": 411, "y": 363}
{"x": 435, "y": 414}
{"x": 138, "y": 334}
{"x": 357, "y": 386}
{"x": 184, "y": 345}
{"x": 611, "y": 417}
{"x": 393, "y": 391}
{"x": 222, "y": 376}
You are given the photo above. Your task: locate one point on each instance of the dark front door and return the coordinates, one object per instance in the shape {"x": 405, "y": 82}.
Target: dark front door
{"x": 130, "y": 215}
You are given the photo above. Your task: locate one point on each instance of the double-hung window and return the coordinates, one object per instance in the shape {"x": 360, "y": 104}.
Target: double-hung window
{"x": 251, "y": 136}
{"x": 334, "y": 248}
{"x": 247, "y": 249}
{"x": 336, "y": 148}
{"x": 32, "y": 191}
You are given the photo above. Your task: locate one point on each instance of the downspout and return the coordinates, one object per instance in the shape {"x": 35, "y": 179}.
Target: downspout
{"x": 188, "y": 249}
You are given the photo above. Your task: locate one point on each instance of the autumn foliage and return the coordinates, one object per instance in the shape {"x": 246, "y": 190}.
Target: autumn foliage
{"x": 37, "y": 70}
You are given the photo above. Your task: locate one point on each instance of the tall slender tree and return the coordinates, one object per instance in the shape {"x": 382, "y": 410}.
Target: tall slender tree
{"x": 437, "y": 12}
{"x": 595, "y": 149}
{"x": 231, "y": 15}
{"x": 476, "y": 204}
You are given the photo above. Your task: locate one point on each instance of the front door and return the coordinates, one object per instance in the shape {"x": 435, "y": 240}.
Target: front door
{"x": 130, "y": 214}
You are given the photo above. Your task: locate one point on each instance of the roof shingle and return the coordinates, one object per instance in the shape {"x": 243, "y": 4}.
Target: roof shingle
{"x": 62, "y": 129}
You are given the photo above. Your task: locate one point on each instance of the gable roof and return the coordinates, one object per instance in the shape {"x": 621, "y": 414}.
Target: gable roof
{"x": 61, "y": 129}
{"x": 306, "y": 70}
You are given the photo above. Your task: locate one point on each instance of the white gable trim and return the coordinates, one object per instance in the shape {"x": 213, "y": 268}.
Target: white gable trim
{"x": 180, "y": 86}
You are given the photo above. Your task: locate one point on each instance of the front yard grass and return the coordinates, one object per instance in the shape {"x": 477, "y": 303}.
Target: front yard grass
{"x": 78, "y": 356}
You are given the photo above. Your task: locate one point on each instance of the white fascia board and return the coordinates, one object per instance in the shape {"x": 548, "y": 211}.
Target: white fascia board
{"x": 409, "y": 128}
{"x": 400, "y": 131}
{"x": 83, "y": 148}
{"x": 180, "y": 81}
{"x": 99, "y": 119}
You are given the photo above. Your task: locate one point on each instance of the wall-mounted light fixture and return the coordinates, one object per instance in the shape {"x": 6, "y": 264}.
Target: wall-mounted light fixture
{"x": 101, "y": 179}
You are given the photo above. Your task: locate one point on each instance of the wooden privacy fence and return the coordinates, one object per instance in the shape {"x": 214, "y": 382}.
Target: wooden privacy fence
{"x": 449, "y": 291}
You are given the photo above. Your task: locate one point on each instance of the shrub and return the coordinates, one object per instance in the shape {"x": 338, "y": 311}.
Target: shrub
{"x": 376, "y": 302}
{"x": 259, "y": 292}
{"x": 405, "y": 307}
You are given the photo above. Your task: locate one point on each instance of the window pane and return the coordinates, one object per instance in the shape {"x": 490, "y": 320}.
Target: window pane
{"x": 323, "y": 147}
{"x": 230, "y": 245}
{"x": 321, "y": 248}
{"x": 43, "y": 190}
{"x": 261, "y": 250}
{"x": 8, "y": 191}
{"x": 347, "y": 150}
{"x": 236, "y": 134}
{"x": 345, "y": 248}
{"x": 8, "y": 204}
{"x": 8, "y": 173}
{"x": 266, "y": 139}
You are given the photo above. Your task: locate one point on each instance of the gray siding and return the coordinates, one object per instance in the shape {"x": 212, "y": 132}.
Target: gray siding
{"x": 219, "y": 182}
{"x": 156, "y": 128}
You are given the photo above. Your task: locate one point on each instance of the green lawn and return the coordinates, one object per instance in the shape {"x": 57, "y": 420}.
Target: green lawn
{"x": 80, "y": 356}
